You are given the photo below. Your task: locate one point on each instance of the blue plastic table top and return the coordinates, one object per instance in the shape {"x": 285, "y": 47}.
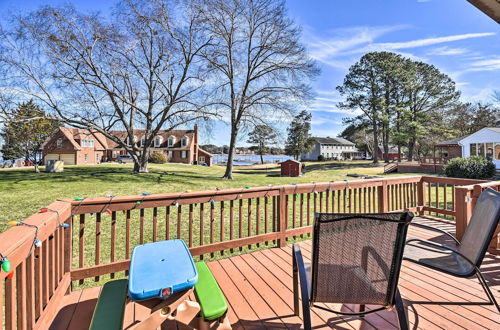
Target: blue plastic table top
{"x": 160, "y": 269}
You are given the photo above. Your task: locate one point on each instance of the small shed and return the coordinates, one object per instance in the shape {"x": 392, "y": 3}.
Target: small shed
{"x": 291, "y": 168}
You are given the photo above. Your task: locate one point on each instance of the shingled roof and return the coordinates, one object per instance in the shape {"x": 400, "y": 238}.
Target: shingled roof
{"x": 337, "y": 140}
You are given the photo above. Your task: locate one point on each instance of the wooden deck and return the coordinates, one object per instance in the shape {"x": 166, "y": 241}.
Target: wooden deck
{"x": 258, "y": 287}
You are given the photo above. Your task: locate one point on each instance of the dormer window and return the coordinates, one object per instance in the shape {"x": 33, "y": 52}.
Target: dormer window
{"x": 171, "y": 141}
{"x": 59, "y": 143}
{"x": 158, "y": 141}
{"x": 184, "y": 141}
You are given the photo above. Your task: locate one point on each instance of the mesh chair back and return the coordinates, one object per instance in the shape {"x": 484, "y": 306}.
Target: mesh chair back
{"x": 356, "y": 258}
{"x": 482, "y": 226}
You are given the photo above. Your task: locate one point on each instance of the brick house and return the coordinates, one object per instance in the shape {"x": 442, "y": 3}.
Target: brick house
{"x": 80, "y": 147}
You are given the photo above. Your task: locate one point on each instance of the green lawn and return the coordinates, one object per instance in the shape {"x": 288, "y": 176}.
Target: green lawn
{"x": 23, "y": 192}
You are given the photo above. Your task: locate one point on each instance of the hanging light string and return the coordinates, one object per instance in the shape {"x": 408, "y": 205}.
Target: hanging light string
{"x": 36, "y": 241}
{"x": 176, "y": 201}
{"x": 268, "y": 190}
{"x": 211, "y": 200}
{"x": 106, "y": 207}
{"x": 60, "y": 224}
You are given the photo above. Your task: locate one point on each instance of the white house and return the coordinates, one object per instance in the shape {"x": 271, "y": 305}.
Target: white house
{"x": 332, "y": 148}
{"x": 485, "y": 142}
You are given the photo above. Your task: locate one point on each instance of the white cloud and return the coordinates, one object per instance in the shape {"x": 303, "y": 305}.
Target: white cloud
{"x": 327, "y": 49}
{"x": 420, "y": 42}
{"x": 447, "y": 51}
{"x": 488, "y": 64}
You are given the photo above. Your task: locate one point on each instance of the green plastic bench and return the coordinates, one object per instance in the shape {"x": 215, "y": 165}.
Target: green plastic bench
{"x": 110, "y": 307}
{"x": 208, "y": 294}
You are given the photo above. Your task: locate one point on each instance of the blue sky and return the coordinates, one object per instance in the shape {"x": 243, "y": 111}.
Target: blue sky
{"x": 450, "y": 34}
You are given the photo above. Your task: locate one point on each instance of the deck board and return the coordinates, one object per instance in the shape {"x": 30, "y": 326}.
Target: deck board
{"x": 258, "y": 287}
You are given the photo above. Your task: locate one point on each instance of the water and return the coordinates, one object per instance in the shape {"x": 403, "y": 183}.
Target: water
{"x": 251, "y": 159}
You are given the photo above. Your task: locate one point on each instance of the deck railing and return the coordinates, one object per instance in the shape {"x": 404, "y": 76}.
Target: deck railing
{"x": 103, "y": 231}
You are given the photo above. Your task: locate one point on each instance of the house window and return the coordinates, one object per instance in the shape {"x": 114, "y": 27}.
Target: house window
{"x": 480, "y": 149}
{"x": 473, "y": 149}
{"x": 143, "y": 141}
{"x": 85, "y": 158}
{"x": 171, "y": 141}
{"x": 183, "y": 154}
{"x": 184, "y": 141}
{"x": 59, "y": 143}
{"x": 489, "y": 150}
{"x": 157, "y": 141}
{"x": 497, "y": 151}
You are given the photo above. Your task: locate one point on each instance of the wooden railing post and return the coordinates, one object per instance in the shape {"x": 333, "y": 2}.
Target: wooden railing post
{"x": 463, "y": 210}
{"x": 420, "y": 195}
{"x": 283, "y": 213}
{"x": 383, "y": 205}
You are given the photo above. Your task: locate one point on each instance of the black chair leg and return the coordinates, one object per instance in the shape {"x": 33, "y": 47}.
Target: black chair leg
{"x": 295, "y": 287}
{"x": 362, "y": 310}
{"x": 400, "y": 309}
{"x": 487, "y": 290}
{"x": 304, "y": 292}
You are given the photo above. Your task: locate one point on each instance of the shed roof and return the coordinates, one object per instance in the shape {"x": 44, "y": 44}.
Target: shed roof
{"x": 291, "y": 160}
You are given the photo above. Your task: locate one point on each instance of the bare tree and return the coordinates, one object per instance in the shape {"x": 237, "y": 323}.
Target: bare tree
{"x": 259, "y": 68}
{"x": 136, "y": 70}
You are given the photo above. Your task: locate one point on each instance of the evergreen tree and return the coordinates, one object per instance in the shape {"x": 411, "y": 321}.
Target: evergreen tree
{"x": 299, "y": 138}
{"x": 261, "y": 136}
{"x": 24, "y": 133}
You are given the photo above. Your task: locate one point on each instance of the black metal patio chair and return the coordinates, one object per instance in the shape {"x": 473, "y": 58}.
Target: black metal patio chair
{"x": 464, "y": 259}
{"x": 356, "y": 259}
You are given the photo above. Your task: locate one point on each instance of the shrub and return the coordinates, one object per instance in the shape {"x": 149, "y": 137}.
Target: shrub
{"x": 321, "y": 158}
{"x": 157, "y": 158}
{"x": 474, "y": 167}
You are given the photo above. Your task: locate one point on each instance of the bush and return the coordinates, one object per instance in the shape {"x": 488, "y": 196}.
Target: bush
{"x": 474, "y": 167}
{"x": 321, "y": 158}
{"x": 157, "y": 158}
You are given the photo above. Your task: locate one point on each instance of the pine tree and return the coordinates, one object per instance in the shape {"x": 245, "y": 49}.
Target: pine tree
{"x": 299, "y": 138}
{"x": 261, "y": 136}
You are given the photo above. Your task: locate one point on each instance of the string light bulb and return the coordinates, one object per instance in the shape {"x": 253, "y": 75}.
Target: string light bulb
{"x": 145, "y": 194}
{"x": 44, "y": 210}
{"x": 212, "y": 202}
{"x": 6, "y": 264}
{"x": 109, "y": 211}
{"x": 78, "y": 199}
{"x": 138, "y": 203}
{"x": 14, "y": 223}
{"x": 38, "y": 243}
{"x": 64, "y": 225}
{"x": 176, "y": 204}
{"x": 10, "y": 274}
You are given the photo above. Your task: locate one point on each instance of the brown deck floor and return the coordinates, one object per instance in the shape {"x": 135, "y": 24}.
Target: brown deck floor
{"x": 258, "y": 287}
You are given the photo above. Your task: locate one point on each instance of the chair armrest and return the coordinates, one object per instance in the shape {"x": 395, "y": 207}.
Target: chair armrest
{"x": 436, "y": 229}
{"x": 304, "y": 287}
{"x": 449, "y": 248}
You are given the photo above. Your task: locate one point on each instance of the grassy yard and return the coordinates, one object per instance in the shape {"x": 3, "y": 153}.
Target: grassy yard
{"x": 23, "y": 192}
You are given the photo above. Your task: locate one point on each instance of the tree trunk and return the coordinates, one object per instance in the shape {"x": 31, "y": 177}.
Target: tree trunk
{"x": 261, "y": 158}
{"x": 399, "y": 152}
{"x": 229, "y": 166}
{"x": 375, "y": 142}
{"x": 411, "y": 148}
{"x": 385, "y": 141}
{"x": 141, "y": 166}
{"x": 37, "y": 168}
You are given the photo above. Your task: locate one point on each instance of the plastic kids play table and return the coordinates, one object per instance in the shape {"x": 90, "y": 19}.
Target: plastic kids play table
{"x": 162, "y": 276}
